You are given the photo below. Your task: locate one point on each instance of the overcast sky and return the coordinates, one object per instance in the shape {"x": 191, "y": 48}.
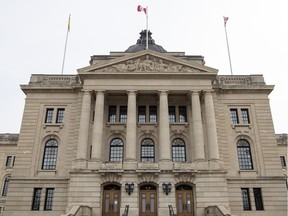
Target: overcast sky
{"x": 32, "y": 39}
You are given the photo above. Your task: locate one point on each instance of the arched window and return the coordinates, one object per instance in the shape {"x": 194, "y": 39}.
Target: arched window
{"x": 5, "y": 187}
{"x": 244, "y": 155}
{"x": 178, "y": 150}
{"x": 116, "y": 150}
{"x": 50, "y": 155}
{"x": 147, "y": 150}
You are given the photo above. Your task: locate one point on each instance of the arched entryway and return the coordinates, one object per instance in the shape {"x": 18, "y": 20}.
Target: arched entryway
{"x": 111, "y": 200}
{"x": 148, "y": 200}
{"x": 184, "y": 200}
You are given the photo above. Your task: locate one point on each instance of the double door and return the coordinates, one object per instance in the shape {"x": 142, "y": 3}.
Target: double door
{"x": 148, "y": 201}
{"x": 184, "y": 201}
{"x": 111, "y": 202}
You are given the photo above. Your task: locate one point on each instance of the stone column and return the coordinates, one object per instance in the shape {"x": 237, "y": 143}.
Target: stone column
{"x": 97, "y": 141}
{"x": 211, "y": 127}
{"x": 84, "y": 126}
{"x": 164, "y": 130}
{"x": 198, "y": 136}
{"x": 131, "y": 141}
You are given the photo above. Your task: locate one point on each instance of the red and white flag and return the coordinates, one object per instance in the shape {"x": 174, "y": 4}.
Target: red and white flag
{"x": 225, "y": 20}
{"x": 140, "y": 9}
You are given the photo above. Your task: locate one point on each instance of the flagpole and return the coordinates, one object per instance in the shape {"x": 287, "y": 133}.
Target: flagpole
{"x": 68, "y": 29}
{"x": 228, "y": 45}
{"x": 147, "y": 28}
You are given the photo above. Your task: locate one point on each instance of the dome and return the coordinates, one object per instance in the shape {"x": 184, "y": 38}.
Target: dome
{"x": 141, "y": 44}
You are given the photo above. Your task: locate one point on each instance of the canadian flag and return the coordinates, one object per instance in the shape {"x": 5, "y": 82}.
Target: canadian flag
{"x": 140, "y": 8}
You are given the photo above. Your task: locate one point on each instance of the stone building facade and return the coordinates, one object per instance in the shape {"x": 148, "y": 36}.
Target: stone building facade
{"x": 145, "y": 128}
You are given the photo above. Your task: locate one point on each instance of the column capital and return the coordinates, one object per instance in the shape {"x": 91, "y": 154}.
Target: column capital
{"x": 131, "y": 91}
{"x": 208, "y": 91}
{"x": 86, "y": 91}
{"x": 160, "y": 92}
{"x": 100, "y": 91}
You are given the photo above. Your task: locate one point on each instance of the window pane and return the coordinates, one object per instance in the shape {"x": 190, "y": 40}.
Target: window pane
{"x": 141, "y": 114}
{"x": 244, "y": 155}
{"x": 123, "y": 114}
{"x": 5, "y": 187}
{"x": 112, "y": 114}
{"x": 258, "y": 198}
{"x": 9, "y": 161}
{"x": 234, "y": 116}
{"x": 172, "y": 114}
{"x": 116, "y": 150}
{"x": 49, "y": 199}
{"x": 49, "y": 116}
{"x": 245, "y": 198}
{"x": 36, "y": 199}
{"x": 50, "y": 155}
{"x": 60, "y": 116}
{"x": 178, "y": 150}
{"x": 245, "y": 116}
{"x": 147, "y": 150}
{"x": 283, "y": 162}
{"x": 153, "y": 114}
{"x": 182, "y": 114}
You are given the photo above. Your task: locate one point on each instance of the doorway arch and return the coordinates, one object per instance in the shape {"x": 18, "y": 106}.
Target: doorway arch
{"x": 185, "y": 200}
{"x": 111, "y": 200}
{"x": 148, "y": 200}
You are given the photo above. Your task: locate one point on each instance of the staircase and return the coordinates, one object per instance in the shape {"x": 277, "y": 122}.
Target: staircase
{"x": 216, "y": 211}
{"x": 79, "y": 210}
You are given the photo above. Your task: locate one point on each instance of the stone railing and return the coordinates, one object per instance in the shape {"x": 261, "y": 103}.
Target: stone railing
{"x": 282, "y": 139}
{"x": 43, "y": 80}
{"x": 216, "y": 211}
{"x": 239, "y": 80}
{"x": 79, "y": 210}
{"x": 8, "y": 138}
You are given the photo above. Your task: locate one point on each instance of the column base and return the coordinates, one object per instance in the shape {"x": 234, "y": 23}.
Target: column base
{"x": 79, "y": 164}
{"x": 166, "y": 165}
{"x": 94, "y": 164}
{"x": 216, "y": 164}
{"x": 130, "y": 165}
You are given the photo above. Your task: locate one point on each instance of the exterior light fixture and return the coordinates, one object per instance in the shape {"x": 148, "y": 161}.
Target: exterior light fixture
{"x": 166, "y": 187}
{"x": 129, "y": 187}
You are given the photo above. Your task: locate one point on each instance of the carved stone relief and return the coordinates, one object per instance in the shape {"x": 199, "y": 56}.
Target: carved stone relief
{"x": 149, "y": 65}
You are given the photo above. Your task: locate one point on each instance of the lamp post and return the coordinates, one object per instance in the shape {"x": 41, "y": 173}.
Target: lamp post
{"x": 129, "y": 187}
{"x": 166, "y": 187}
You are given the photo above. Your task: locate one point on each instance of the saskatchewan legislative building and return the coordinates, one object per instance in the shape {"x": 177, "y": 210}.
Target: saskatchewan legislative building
{"x": 145, "y": 132}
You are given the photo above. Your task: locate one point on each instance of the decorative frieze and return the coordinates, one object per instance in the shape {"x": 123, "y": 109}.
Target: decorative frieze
{"x": 149, "y": 65}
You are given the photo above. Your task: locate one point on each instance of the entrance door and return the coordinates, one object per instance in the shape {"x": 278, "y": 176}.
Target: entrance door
{"x": 148, "y": 201}
{"x": 184, "y": 200}
{"x": 111, "y": 200}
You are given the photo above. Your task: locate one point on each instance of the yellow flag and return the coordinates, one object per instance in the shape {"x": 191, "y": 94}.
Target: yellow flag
{"x": 69, "y": 22}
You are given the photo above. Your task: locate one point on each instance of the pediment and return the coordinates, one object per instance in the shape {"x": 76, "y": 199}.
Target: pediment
{"x": 147, "y": 61}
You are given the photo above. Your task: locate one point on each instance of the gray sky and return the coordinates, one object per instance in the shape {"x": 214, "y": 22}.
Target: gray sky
{"x": 32, "y": 38}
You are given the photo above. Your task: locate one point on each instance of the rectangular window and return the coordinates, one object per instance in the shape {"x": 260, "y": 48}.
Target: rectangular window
{"x": 283, "y": 162}
{"x": 141, "y": 114}
{"x": 112, "y": 114}
{"x": 245, "y": 198}
{"x": 10, "y": 161}
{"x": 36, "y": 199}
{"x": 49, "y": 116}
{"x": 258, "y": 199}
{"x": 182, "y": 114}
{"x": 60, "y": 116}
{"x": 172, "y": 114}
{"x": 5, "y": 187}
{"x": 234, "y": 116}
{"x": 49, "y": 199}
{"x": 123, "y": 114}
{"x": 153, "y": 114}
{"x": 245, "y": 116}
